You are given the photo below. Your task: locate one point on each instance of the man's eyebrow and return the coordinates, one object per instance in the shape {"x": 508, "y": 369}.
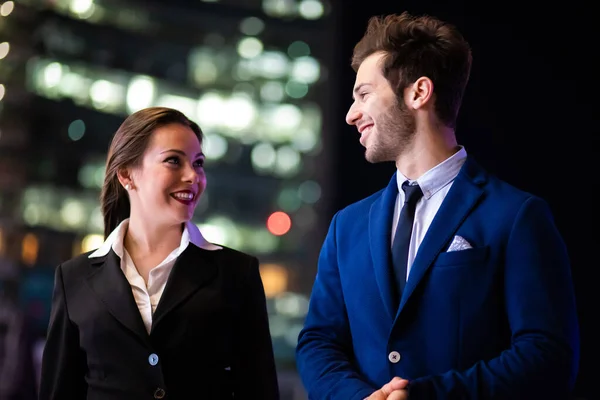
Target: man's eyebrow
{"x": 357, "y": 89}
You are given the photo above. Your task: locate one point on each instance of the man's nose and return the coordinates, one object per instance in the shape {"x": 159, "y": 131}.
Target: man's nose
{"x": 353, "y": 115}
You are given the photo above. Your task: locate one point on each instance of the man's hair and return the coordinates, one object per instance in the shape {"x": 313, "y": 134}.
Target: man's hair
{"x": 417, "y": 46}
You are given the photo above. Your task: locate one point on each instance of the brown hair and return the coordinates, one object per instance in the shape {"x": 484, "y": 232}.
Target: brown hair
{"x": 420, "y": 46}
{"x": 126, "y": 150}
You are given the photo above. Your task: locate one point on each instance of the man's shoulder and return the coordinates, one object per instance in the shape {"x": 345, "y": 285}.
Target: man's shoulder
{"x": 503, "y": 201}
{"x": 362, "y": 206}
{"x": 497, "y": 188}
{"x": 507, "y": 192}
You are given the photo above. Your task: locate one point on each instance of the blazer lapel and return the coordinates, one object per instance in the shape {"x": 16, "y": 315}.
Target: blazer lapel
{"x": 110, "y": 284}
{"x": 380, "y": 233}
{"x": 460, "y": 200}
{"x": 193, "y": 269}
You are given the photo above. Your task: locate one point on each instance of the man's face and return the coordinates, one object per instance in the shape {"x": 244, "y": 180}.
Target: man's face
{"x": 385, "y": 124}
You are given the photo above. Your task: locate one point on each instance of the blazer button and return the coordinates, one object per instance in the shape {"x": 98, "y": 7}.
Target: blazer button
{"x": 153, "y": 359}
{"x": 394, "y": 357}
{"x": 159, "y": 393}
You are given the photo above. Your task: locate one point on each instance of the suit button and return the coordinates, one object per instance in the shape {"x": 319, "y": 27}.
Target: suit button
{"x": 153, "y": 359}
{"x": 394, "y": 357}
{"x": 159, "y": 393}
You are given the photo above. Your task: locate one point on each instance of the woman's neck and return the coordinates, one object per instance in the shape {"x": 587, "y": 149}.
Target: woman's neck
{"x": 145, "y": 237}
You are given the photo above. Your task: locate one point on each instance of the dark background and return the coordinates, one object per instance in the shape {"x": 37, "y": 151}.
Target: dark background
{"x": 529, "y": 116}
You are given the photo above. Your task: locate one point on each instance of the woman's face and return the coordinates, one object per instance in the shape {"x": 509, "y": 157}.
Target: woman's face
{"x": 167, "y": 185}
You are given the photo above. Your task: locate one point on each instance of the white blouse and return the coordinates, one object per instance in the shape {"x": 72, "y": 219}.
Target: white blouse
{"x": 148, "y": 296}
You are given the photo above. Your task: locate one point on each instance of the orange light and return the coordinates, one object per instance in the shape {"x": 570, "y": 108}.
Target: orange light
{"x": 29, "y": 249}
{"x": 274, "y": 278}
{"x": 279, "y": 223}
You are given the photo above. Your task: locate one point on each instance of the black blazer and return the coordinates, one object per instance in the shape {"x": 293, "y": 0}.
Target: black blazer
{"x": 209, "y": 340}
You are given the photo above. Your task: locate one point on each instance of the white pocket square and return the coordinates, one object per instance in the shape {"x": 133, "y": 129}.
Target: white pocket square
{"x": 459, "y": 243}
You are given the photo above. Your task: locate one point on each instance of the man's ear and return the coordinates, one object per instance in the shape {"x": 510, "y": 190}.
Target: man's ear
{"x": 419, "y": 93}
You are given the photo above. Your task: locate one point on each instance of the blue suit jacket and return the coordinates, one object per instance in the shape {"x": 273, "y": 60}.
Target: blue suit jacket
{"x": 497, "y": 321}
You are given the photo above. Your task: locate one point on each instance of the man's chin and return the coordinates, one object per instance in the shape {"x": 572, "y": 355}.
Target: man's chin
{"x": 373, "y": 157}
{"x": 370, "y": 160}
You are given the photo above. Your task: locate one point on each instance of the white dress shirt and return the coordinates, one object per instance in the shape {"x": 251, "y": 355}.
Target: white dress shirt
{"x": 435, "y": 185}
{"x": 147, "y": 296}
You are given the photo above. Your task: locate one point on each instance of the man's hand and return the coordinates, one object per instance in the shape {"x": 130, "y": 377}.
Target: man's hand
{"x": 393, "y": 390}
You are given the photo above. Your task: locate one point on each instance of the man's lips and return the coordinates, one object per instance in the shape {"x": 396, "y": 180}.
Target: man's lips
{"x": 362, "y": 128}
{"x": 365, "y": 131}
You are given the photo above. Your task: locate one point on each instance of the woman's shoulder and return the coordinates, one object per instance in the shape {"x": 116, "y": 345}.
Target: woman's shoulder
{"x": 230, "y": 254}
{"x": 78, "y": 264}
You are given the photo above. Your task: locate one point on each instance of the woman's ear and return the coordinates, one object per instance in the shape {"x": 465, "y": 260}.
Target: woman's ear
{"x": 124, "y": 176}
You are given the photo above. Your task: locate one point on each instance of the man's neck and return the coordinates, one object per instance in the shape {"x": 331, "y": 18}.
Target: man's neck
{"x": 429, "y": 148}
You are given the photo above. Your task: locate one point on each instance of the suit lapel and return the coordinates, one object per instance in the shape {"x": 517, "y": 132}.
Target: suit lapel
{"x": 111, "y": 285}
{"x": 193, "y": 269}
{"x": 380, "y": 232}
{"x": 459, "y": 201}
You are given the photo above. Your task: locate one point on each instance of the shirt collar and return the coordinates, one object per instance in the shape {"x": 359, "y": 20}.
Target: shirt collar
{"x": 114, "y": 241}
{"x": 439, "y": 176}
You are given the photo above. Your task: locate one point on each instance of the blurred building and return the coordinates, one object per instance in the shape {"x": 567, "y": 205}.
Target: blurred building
{"x": 254, "y": 74}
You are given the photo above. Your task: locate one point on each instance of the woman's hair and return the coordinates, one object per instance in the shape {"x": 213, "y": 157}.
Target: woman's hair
{"x": 414, "y": 47}
{"x": 126, "y": 150}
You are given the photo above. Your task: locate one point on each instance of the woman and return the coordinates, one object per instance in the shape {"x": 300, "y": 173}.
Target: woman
{"x": 157, "y": 311}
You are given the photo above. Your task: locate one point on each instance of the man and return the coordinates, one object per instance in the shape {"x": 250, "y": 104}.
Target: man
{"x": 448, "y": 283}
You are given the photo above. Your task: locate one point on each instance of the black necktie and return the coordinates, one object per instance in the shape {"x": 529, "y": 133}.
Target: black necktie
{"x": 403, "y": 234}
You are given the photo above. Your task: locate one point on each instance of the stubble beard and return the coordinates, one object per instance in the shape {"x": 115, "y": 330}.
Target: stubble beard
{"x": 395, "y": 133}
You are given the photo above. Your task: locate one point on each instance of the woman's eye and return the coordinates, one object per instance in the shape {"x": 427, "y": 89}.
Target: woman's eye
{"x": 199, "y": 164}
{"x": 172, "y": 160}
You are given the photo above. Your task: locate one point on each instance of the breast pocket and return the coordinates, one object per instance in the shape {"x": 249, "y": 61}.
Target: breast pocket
{"x": 462, "y": 257}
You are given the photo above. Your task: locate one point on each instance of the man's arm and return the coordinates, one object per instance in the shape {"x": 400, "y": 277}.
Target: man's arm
{"x": 324, "y": 346}
{"x": 542, "y": 360}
